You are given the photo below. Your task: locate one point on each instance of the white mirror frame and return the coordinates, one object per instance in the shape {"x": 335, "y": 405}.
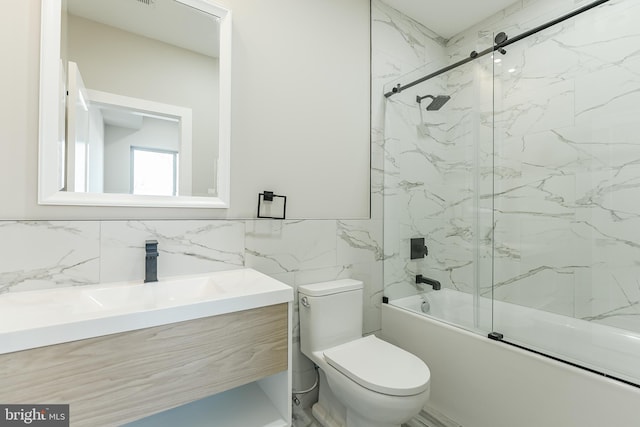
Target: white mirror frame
{"x": 50, "y": 115}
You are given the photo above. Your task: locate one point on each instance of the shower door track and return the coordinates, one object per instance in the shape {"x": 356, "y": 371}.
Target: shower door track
{"x": 566, "y": 362}
{"x": 498, "y": 46}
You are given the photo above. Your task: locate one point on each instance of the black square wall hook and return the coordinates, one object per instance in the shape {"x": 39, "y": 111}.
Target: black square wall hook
{"x": 269, "y": 197}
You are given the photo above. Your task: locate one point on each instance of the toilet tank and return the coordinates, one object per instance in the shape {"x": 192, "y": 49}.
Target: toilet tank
{"x": 330, "y": 314}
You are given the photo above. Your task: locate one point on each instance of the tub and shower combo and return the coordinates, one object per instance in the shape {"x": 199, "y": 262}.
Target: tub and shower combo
{"x": 515, "y": 154}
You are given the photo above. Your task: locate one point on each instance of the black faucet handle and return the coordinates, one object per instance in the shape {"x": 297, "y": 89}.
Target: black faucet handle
{"x": 151, "y": 247}
{"x": 151, "y": 261}
{"x": 418, "y": 248}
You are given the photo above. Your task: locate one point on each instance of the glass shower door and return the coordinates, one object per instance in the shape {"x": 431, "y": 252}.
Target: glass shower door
{"x": 438, "y": 186}
{"x": 567, "y": 191}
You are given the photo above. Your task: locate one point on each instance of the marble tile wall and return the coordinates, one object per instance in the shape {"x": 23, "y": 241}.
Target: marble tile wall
{"x": 563, "y": 167}
{"x": 569, "y": 134}
{"x": 403, "y": 48}
{"x": 429, "y": 165}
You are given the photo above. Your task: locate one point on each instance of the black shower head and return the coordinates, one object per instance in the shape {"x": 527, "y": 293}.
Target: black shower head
{"x": 436, "y": 103}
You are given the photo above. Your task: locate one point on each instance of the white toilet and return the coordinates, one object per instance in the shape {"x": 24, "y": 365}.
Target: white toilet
{"x": 364, "y": 381}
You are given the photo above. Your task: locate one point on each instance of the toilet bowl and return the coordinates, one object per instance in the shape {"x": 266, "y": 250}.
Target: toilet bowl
{"x": 365, "y": 381}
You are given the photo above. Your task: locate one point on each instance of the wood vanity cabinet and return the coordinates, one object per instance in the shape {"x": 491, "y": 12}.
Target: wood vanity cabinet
{"x": 122, "y": 377}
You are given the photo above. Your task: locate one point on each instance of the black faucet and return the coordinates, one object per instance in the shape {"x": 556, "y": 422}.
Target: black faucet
{"x": 421, "y": 279}
{"x": 151, "y": 261}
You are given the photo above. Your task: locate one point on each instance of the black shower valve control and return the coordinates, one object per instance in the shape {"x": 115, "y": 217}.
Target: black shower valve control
{"x": 418, "y": 248}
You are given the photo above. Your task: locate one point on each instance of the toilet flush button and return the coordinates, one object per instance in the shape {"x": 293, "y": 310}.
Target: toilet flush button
{"x": 305, "y": 302}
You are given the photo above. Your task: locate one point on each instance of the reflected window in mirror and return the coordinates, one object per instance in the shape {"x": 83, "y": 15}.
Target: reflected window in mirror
{"x": 154, "y": 172}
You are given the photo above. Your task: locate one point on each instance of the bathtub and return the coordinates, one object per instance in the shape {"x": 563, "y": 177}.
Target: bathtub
{"x": 481, "y": 382}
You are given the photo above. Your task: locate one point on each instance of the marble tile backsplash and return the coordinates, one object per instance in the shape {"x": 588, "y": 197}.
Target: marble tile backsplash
{"x": 185, "y": 247}
{"x": 49, "y": 254}
{"x": 41, "y": 254}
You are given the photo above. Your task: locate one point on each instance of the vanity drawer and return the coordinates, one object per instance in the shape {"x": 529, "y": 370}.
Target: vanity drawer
{"x": 118, "y": 378}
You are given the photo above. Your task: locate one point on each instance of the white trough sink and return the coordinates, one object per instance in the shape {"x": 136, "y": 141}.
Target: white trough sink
{"x": 39, "y": 318}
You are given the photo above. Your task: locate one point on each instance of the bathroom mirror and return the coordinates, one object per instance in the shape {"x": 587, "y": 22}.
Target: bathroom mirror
{"x": 135, "y": 103}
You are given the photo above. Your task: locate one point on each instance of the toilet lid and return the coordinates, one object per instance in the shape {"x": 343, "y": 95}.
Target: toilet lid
{"x": 380, "y": 366}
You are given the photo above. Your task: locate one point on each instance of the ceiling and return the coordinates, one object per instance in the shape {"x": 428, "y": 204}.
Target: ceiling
{"x": 449, "y": 17}
{"x": 165, "y": 20}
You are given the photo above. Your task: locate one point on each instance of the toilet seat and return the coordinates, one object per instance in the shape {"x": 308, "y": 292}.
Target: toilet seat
{"x": 380, "y": 366}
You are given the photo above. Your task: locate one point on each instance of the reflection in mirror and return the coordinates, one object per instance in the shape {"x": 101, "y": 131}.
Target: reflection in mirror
{"x": 106, "y": 130}
{"x": 154, "y": 171}
{"x": 142, "y": 77}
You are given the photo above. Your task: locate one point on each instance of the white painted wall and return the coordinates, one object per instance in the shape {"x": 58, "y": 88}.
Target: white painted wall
{"x": 300, "y": 113}
{"x": 96, "y": 151}
{"x": 300, "y": 119}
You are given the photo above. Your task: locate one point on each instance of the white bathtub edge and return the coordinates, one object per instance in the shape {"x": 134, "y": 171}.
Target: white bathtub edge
{"x": 483, "y": 383}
